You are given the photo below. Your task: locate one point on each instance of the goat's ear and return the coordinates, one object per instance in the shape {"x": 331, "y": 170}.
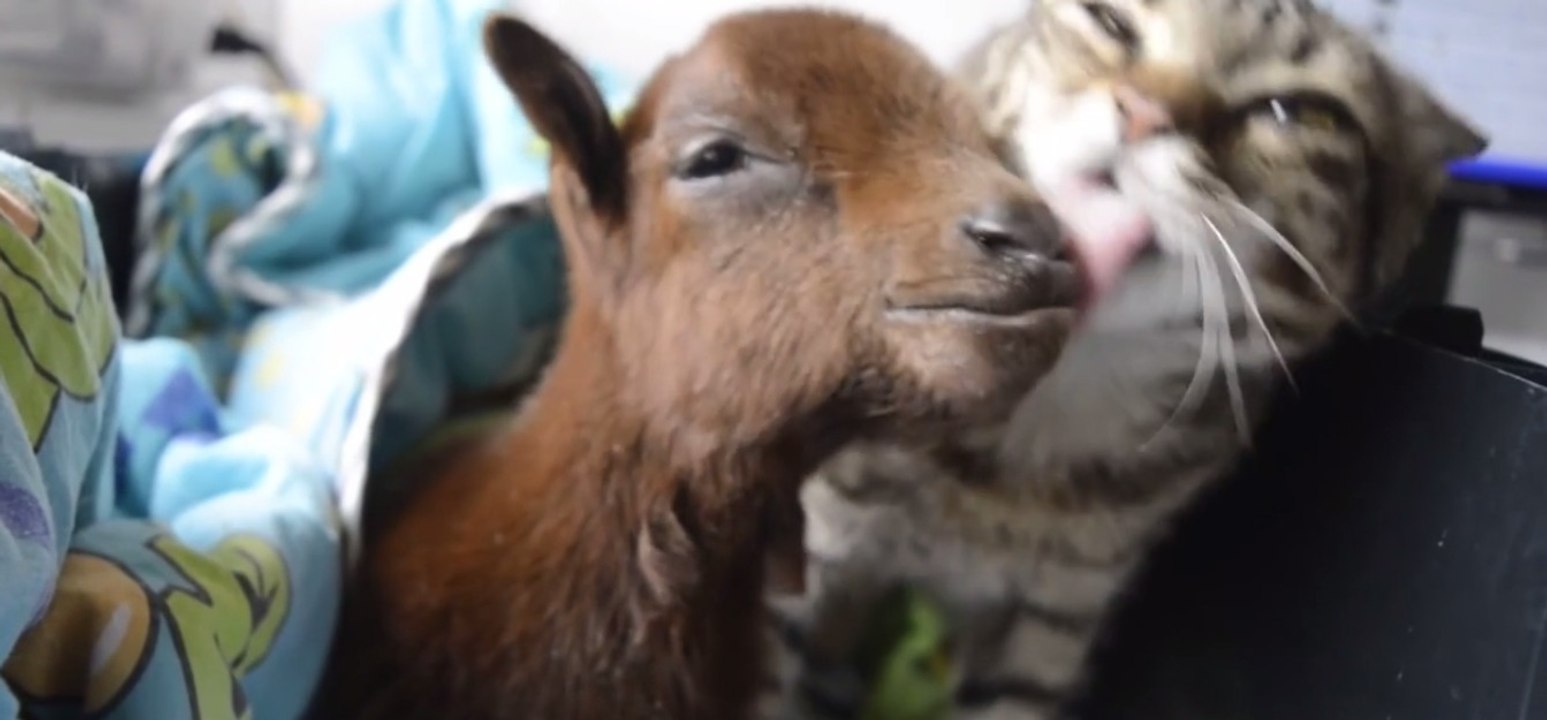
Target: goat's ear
{"x": 564, "y": 106}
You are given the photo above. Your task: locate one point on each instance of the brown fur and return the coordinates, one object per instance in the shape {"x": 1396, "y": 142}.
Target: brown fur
{"x": 600, "y": 558}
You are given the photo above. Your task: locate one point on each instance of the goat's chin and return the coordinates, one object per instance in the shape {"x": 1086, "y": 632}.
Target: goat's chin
{"x": 970, "y": 369}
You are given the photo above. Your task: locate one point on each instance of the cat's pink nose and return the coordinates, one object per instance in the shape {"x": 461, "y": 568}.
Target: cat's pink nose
{"x": 1142, "y": 116}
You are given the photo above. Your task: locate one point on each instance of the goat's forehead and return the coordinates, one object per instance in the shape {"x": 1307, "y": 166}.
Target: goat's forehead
{"x": 831, "y": 56}
{"x": 824, "y": 78}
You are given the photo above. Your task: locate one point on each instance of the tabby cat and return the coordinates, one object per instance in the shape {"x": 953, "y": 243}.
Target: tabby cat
{"x": 1286, "y": 170}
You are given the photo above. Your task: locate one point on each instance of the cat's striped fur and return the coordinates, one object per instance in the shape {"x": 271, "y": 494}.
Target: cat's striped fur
{"x": 1296, "y": 184}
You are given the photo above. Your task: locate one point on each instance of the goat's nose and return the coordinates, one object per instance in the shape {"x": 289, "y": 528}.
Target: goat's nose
{"x": 1019, "y": 225}
{"x": 1141, "y": 116}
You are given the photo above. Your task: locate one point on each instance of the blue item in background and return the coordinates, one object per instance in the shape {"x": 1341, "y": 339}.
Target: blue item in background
{"x": 1498, "y": 171}
{"x": 322, "y": 277}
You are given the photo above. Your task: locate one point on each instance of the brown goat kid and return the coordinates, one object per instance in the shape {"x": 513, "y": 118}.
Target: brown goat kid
{"x": 799, "y": 236}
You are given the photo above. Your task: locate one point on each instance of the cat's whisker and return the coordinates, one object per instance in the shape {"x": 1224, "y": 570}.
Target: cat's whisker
{"x": 1190, "y": 280}
{"x": 1214, "y": 292}
{"x": 1208, "y": 357}
{"x": 1250, "y": 298}
{"x": 1277, "y": 238}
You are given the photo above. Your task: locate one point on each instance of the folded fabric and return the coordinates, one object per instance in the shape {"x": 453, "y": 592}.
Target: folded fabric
{"x": 154, "y": 565}
{"x": 58, "y": 373}
{"x": 472, "y": 314}
{"x": 218, "y": 604}
{"x": 253, "y": 201}
{"x": 204, "y": 572}
{"x": 291, "y": 240}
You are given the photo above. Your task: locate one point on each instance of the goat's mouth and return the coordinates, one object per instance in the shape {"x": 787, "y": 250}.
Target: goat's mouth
{"x": 1053, "y": 285}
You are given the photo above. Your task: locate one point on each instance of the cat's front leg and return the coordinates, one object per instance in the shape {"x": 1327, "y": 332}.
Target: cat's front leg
{"x": 1037, "y": 663}
{"x": 814, "y": 641}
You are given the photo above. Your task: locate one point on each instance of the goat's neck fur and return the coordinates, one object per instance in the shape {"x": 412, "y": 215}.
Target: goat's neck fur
{"x": 649, "y": 551}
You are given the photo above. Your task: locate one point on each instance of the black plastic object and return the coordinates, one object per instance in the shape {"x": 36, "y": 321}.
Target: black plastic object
{"x": 229, "y": 39}
{"x": 1382, "y": 556}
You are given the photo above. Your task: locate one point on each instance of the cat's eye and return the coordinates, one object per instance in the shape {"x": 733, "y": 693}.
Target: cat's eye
{"x": 1113, "y": 23}
{"x": 1317, "y": 119}
{"x": 1309, "y": 111}
{"x": 714, "y": 159}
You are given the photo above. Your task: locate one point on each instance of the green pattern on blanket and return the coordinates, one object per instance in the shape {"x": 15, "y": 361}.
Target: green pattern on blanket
{"x": 59, "y": 329}
{"x": 240, "y": 599}
{"x": 223, "y": 610}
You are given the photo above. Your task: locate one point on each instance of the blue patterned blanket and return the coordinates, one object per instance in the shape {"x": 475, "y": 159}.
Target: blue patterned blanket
{"x": 324, "y": 278}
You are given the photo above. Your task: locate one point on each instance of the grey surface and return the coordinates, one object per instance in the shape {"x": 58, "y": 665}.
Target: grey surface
{"x": 1509, "y": 287}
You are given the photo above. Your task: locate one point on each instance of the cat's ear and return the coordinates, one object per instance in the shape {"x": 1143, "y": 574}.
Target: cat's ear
{"x": 1426, "y": 139}
{"x": 1446, "y": 134}
{"x": 1436, "y": 134}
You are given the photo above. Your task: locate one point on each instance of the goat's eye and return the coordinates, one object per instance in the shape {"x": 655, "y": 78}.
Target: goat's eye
{"x": 721, "y": 157}
{"x": 1112, "y": 22}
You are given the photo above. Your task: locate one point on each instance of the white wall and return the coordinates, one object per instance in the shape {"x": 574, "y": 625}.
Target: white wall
{"x": 632, "y": 34}
{"x": 305, "y": 24}
{"x": 1438, "y": 39}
